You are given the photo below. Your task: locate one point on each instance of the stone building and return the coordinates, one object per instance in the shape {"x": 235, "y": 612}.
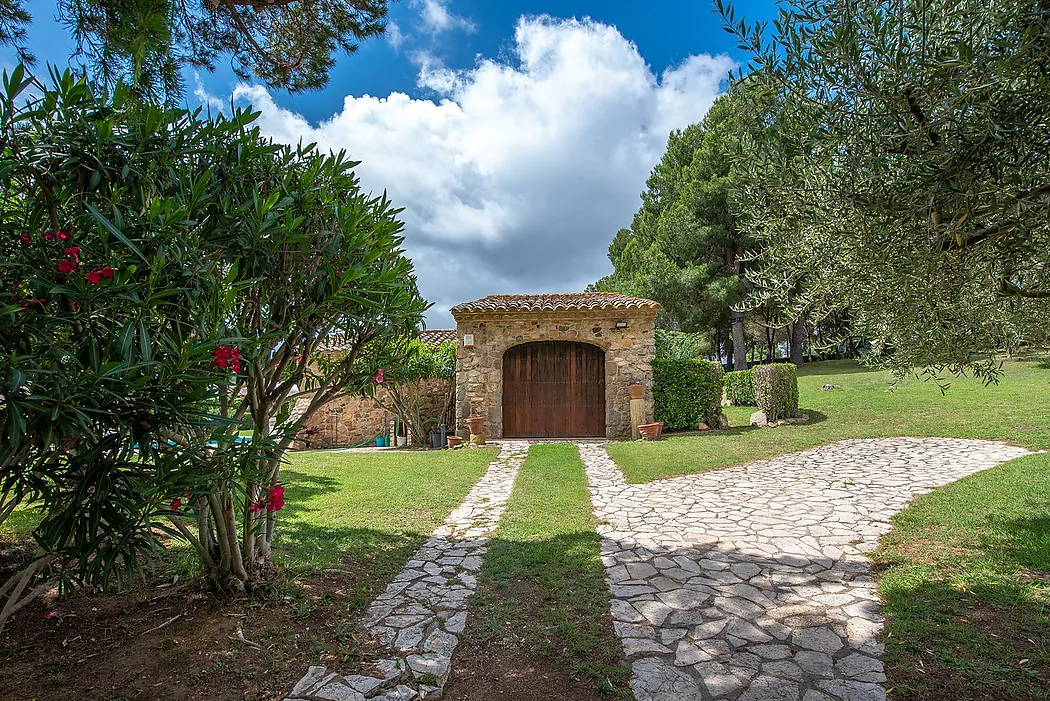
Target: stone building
{"x": 553, "y": 365}
{"x": 352, "y": 421}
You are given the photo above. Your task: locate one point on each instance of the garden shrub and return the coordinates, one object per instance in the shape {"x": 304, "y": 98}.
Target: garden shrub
{"x": 740, "y": 387}
{"x": 687, "y": 392}
{"x": 776, "y": 390}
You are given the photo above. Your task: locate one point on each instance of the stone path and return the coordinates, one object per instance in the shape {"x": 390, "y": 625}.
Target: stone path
{"x": 751, "y": 582}
{"x": 423, "y": 611}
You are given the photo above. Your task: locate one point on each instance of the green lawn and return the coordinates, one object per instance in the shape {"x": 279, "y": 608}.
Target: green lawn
{"x": 373, "y": 508}
{"x": 866, "y": 405}
{"x": 542, "y": 585}
{"x": 965, "y": 575}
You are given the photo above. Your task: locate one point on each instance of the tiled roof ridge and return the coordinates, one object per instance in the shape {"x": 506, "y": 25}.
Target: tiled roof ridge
{"x": 555, "y": 302}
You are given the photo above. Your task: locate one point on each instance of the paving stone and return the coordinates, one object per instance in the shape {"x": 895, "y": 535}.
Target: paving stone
{"x": 759, "y": 561}
{"x": 819, "y": 639}
{"x": 656, "y": 680}
{"x": 765, "y": 688}
{"x": 399, "y": 693}
{"x": 362, "y": 684}
{"x": 312, "y": 679}
{"x": 337, "y": 690}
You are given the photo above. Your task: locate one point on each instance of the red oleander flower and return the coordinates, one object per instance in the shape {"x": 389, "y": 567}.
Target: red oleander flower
{"x": 379, "y": 376}
{"x": 256, "y": 507}
{"x": 67, "y": 266}
{"x": 227, "y": 357}
{"x": 52, "y": 614}
{"x": 276, "y": 498}
{"x": 94, "y": 277}
{"x": 49, "y": 235}
{"x": 37, "y": 302}
{"x": 72, "y": 251}
{"x": 24, "y": 239}
{"x": 176, "y": 504}
{"x": 107, "y": 272}
{"x": 63, "y": 236}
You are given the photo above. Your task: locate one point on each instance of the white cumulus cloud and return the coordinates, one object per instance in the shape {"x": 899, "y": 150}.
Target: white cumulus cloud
{"x": 517, "y": 174}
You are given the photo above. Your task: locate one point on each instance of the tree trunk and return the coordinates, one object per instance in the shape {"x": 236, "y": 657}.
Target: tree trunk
{"x": 739, "y": 344}
{"x": 797, "y": 338}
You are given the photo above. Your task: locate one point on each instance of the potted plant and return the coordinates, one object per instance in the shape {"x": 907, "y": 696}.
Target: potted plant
{"x": 651, "y": 432}
{"x": 476, "y": 424}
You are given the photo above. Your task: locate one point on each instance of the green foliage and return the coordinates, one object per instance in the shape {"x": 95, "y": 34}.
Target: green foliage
{"x": 776, "y": 390}
{"x": 149, "y": 44}
{"x": 740, "y": 387}
{"x": 414, "y": 374}
{"x": 905, "y": 182}
{"x": 104, "y": 290}
{"x": 189, "y": 234}
{"x": 684, "y": 245}
{"x": 679, "y": 345}
{"x": 687, "y": 392}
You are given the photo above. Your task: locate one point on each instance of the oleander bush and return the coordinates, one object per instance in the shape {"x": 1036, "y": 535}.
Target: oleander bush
{"x": 687, "y": 392}
{"x": 776, "y": 390}
{"x": 740, "y": 387}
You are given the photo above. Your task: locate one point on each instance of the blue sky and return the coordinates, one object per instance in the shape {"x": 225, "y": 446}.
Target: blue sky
{"x": 516, "y": 135}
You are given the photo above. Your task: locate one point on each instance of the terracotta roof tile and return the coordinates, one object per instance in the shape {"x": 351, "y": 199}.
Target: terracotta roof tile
{"x": 570, "y": 301}
{"x": 435, "y": 337}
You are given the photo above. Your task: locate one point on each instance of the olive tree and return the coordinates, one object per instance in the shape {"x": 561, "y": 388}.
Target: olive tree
{"x": 908, "y": 181}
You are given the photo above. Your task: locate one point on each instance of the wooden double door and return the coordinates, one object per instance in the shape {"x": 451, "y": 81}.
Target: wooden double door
{"x": 554, "y": 389}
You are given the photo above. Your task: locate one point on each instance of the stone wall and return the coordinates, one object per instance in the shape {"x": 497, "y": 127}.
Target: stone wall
{"x": 353, "y": 420}
{"x": 343, "y": 423}
{"x": 628, "y": 358}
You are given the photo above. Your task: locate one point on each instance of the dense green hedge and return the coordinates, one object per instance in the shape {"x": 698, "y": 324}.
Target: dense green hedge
{"x": 776, "y": 390}
{"x": 687, "y": 392}
{"x": 740, "y": 387}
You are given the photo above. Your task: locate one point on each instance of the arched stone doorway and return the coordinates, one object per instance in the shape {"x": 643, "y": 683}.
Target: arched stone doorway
{"x": 554, "y": 389}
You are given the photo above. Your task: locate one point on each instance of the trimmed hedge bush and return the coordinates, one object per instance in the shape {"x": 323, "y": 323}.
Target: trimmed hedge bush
{"x": 740, "y": 387}
{"x": 776, "y": 390}
{"x": 687, "y": 392}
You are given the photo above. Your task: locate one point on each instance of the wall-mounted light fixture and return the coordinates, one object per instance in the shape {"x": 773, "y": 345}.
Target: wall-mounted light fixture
{"x": 468, "y": 340}
{"x": 621, "y": 324}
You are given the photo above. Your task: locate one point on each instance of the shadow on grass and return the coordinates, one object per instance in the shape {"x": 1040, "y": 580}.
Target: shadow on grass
{"x": 980, "y": 643}
{"x": 544, "y": 605}
{"x": 1022, "y": 543}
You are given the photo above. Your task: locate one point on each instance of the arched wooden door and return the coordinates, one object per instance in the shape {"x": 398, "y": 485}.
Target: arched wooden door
{"x": 553, "y": 389}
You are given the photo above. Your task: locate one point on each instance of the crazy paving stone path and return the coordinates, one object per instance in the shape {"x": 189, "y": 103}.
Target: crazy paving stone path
{"x": 423, "y": 611}
{"x": 751, "y": 582}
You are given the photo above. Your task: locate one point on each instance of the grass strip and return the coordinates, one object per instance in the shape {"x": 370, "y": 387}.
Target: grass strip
{"x": 542, "y": 585}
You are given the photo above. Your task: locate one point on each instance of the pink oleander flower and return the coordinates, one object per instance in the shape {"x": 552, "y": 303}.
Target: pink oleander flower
{"x": 275, "y": 502}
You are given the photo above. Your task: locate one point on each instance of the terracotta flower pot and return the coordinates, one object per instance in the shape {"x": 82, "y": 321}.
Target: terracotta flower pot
{"x": 476, "y": 424}
{"x": 453, "y": 440}
{"x": 636, "y": 391}
{"x": 651, "y": 432}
